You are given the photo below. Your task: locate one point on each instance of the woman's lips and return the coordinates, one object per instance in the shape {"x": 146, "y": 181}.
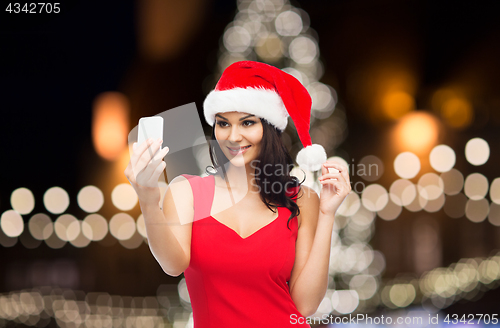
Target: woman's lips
{"x": 236, "y": 151}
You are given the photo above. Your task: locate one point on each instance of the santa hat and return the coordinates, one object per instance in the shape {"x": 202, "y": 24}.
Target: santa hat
{"x": 272, "y": 94}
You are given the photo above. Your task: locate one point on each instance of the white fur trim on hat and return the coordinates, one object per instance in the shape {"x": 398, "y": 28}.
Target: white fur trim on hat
{"x": 311, "y": 157}
{"x": 261, "y": 102}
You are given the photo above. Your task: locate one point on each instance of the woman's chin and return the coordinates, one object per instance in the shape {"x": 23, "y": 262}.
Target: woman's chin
{"x": 238, "y": 161}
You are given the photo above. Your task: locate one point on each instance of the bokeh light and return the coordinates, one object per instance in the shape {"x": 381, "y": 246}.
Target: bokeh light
{"x": 11, "y": 223}
{"x": 365, "y": 285}
{"x": 55, "y": 242}
{"x": 22, "y": 200}
{"x": 141, "y": 226}
{"x": 345, "y": 301}
{"x": 442, "y": 158}
{"x": 397, "y": 104}
{"x": 303, "y": 50}
{"x": 407, "y": 165}
{"x": 41, "y": 226}
{"x": 402, "y": 192}
{"x": 440, "y": 96}
{"x": 254, "y": 27}
{"x": 90, "y": 199}
{"x": 477, "y": 210}
{"x": 363, "y": 217}
{"x": 37, "y": 307}
{"x": 237, "y": 39}
{"x": 417, "y": 132}
{"x": 288, "y": 23}
{"x": 476, "y": 186}
{"x": 374, "y": 197}
{"x": 183, "y": 291}
{"x": 95, "y": 227}
{"x": 122, "y": 226}
{"x": 453, "y": 181}
{"x": 430, "y": 186}
{"x": 390, "y": 212}
{"x": 434, "y": 205}
{"x": 325, "y": 306}
{"x": 322, "y": 98}
{"x": 457, "y": 112}
{"x": 494, "y": 214}
{"x": 269, "y": 47}
{"x": 133, "y": 242}
{"x": 56, "y": 200}
{"x": 67, "y": 227}
{"x": 350, "y": 205}
{"x": 402, "y": 295}
{"x": 417, "y": 204}
{"x": 495, "y": 191}
{"x": 421, "y": 200}
{"x": 477, "y": 151}
{"x": 370, "y": 168}
{"x": 81, "y": 239}
{"x": 110, "y": 124}
{"x": 124, "y": 197}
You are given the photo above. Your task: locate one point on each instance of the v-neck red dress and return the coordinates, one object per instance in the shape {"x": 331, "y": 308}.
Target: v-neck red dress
{"x": 240, "y": 282}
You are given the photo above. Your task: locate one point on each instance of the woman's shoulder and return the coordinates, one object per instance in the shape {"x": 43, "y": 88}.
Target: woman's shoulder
{"x": 182, "y": 183}
{"x": 308, "y": 202}
{"x": 194, "y": 181}
{"x": 305, "y": 195}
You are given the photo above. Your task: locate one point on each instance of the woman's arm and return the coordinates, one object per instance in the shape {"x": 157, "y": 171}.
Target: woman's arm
{"x": 169, "y": 231}
{"x": 309, "y": 279}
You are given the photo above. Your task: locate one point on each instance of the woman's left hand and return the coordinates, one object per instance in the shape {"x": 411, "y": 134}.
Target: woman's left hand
{"x": 336, "y": 186}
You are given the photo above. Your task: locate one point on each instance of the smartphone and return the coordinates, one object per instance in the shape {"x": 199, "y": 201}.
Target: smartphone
{"x": 150, "y": 127}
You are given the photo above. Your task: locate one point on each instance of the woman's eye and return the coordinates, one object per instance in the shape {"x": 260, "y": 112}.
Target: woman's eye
{"x": 224, "y": 124}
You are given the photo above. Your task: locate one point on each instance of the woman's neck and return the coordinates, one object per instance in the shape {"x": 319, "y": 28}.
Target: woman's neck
{"x": 241, "y": 178}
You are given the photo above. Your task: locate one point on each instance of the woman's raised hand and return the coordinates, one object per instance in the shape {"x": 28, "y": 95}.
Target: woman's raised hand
{"x": 143, "y": 170}
{"x": 336, "y": 187}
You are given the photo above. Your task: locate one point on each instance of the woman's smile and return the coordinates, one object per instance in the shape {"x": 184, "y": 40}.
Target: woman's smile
{"x": 238, "y": 150}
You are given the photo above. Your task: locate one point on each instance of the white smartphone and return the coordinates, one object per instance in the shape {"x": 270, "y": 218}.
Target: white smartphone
{"x": 150, "y": 127}
{"x": 332, "y": 170}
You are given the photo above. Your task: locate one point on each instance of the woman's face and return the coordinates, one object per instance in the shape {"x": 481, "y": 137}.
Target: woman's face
{"x": 239, "y": 136}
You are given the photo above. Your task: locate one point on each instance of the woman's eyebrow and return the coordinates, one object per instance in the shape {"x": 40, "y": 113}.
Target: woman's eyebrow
{"x": 241, "y": 119}
{"x": 217, "y": 115}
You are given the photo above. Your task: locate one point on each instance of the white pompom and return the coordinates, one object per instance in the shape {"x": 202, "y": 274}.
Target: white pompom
{"x": 311, "y": 157}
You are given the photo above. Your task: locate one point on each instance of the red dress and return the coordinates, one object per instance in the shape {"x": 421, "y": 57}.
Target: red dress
{"x": 240, "y": 282}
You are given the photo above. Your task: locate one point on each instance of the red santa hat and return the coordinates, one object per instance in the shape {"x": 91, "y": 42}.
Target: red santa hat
{"x": 269, "y": 93}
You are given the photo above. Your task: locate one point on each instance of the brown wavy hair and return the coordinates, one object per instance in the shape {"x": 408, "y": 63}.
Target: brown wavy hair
{"x": 274, "y": 155}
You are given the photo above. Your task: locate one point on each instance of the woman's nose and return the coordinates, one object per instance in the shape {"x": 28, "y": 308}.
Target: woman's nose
{"x": 235, "y": 135}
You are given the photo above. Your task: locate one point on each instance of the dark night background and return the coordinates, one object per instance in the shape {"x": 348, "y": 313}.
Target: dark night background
{"x": 52, "y": 68}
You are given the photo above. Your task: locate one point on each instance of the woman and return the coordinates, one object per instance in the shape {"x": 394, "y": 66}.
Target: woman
{"x": 263, "y": 260}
